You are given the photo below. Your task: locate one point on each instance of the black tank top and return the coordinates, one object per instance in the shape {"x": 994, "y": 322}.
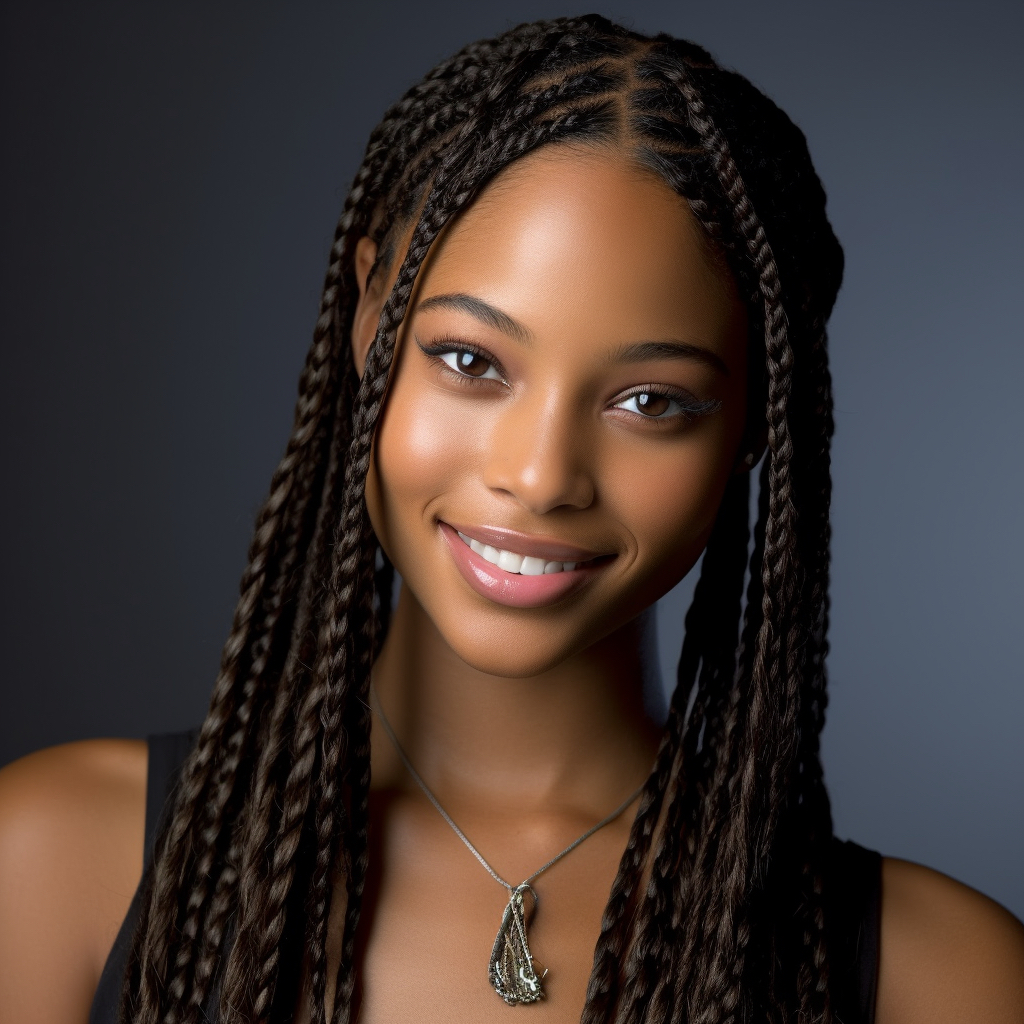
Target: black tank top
{"x": 852, "y": 909}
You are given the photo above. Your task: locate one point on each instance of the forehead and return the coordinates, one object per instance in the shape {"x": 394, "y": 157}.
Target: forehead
{"x": 569, "y": 239}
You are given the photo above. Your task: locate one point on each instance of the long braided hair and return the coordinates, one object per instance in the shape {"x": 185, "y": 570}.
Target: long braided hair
{"x": 717, "y": 912}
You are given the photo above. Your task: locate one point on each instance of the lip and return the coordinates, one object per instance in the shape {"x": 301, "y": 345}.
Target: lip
{"x": 512, "y": 589}
{"x": 548, "y": 548}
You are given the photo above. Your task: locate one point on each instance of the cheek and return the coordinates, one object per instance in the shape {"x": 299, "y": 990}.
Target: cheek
{"x": 414, "y": 451}
{"x": 668, "y": 502}
{"x": 422, "y": 450}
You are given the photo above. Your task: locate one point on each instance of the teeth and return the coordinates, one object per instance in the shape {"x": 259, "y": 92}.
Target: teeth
{"x": 524, "y": 565}
{"x": 510, "y": 562}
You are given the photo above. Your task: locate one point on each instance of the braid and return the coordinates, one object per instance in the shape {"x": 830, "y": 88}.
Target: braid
{"x": 725, "y": 859}
{"x": 262, "y": 814}
{"x": 211, "y": 770}
{"x": 721, "y": 963}
{"x": 278, "y": 821}
{"x": 708, "y": 652}
{"x": 239, "y": 749}
{"x": 236, "y": 751}
{"x": 208, "y": 774}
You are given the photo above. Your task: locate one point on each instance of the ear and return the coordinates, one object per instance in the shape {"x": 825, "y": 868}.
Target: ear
{"x": 371, "y": 301}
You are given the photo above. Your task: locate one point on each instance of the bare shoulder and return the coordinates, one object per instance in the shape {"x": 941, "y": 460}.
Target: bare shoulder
{"x": 947, "y": 952}
{"x": 72, "y": 825}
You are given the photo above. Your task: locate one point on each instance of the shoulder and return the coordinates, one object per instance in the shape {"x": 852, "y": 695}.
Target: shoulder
{"x": 72, "y": 825}
{"x": 947, "y": 952}
{"x": 59, "y": 803}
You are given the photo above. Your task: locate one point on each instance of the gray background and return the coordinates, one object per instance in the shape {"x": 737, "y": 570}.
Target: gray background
{"x": 171, "y": 180}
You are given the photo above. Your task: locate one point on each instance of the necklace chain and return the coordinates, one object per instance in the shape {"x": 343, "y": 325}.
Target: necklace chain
{"x": 607, "y": 820}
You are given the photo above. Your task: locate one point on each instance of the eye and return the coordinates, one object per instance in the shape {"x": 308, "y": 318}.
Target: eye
{"x": 469, "y": 364}
{"x": 659, "y": 406}
{"x": 651, "y": 405}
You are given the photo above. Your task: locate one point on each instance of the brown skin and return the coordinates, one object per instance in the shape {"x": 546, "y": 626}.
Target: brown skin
{"x": 527, "y": 723}
{"x": 71, "y": 830}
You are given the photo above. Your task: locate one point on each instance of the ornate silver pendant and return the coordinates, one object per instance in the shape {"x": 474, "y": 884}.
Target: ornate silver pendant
{"x": 511, "y": 969}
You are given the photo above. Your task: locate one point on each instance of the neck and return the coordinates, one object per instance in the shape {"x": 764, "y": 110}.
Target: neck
{"x": 581, "y": 734}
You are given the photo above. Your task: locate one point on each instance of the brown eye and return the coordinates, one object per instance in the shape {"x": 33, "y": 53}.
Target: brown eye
{"x": 652, "y": 405}
{"x": 470, "y": 364}
{"x": 655, "y": 406}
{"x": 649, "y": 403}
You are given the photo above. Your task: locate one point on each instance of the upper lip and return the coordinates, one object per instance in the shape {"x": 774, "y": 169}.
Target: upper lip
{"x": 549, "y": 548}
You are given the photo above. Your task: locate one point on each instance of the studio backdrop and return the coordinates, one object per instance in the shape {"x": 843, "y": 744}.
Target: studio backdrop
{"x": 171, "y": 178}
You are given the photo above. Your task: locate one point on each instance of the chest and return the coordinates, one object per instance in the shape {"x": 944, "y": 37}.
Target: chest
{"x": 432, "y": 913}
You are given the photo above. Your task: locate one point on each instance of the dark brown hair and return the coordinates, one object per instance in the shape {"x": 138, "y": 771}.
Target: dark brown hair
{"x": 716, "y": 913}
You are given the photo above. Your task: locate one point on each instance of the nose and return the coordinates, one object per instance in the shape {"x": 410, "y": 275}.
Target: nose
{"x": 539, "y": 455}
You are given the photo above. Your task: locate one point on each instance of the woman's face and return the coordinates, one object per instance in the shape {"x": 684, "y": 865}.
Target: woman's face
{"x": 564, "y": 413}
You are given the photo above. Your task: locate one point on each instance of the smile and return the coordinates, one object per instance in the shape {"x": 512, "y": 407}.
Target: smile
{"x": 532, "y": 577}
{"x": 525, "y": 565}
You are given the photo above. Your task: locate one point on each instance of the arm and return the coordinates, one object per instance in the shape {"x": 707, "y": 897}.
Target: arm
{"x": 948, "y": 954}
{"x": 72, "y": 821}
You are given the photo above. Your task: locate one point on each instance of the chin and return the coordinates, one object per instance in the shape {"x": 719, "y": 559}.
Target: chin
{"x": 512, "y": 653}
{"x": 509, "y": 662}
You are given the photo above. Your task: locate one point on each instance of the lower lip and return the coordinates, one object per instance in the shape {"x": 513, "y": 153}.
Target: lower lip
{"x": 509, "y": 588}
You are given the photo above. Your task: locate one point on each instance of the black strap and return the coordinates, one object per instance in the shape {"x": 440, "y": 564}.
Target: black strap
{"x": 166, "y": 755}
{"x": 853, "y": 905}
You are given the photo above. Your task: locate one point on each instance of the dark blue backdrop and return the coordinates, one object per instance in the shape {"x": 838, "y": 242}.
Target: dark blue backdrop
{"x": 171, "y": 179}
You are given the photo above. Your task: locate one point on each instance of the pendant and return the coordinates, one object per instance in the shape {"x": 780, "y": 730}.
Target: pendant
{"x": 511, "y": 970}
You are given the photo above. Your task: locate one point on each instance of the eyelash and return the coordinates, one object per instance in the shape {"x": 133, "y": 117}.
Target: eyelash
{"x": 690, "y": 407}
{"x": 444, "y": 346}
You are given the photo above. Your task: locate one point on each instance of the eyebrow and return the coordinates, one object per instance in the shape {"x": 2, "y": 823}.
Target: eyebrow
{"x": 648, "y": 350}
{"x": 640, "y": 352}
{"x": 482, "y": 311}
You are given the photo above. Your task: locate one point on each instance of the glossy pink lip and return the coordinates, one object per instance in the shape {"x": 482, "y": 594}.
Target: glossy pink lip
{"x": 525, "y": 543}
{"x": 512, "y": 589}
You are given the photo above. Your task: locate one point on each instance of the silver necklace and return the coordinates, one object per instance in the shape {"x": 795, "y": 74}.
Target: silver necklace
{"x": 511, "y": 968}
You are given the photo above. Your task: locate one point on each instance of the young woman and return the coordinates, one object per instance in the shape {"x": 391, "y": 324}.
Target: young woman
{"x": 578, "y": 291}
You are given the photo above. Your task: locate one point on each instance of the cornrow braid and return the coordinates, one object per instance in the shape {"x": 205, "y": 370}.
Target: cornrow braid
{"x": 726, "y": 858}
